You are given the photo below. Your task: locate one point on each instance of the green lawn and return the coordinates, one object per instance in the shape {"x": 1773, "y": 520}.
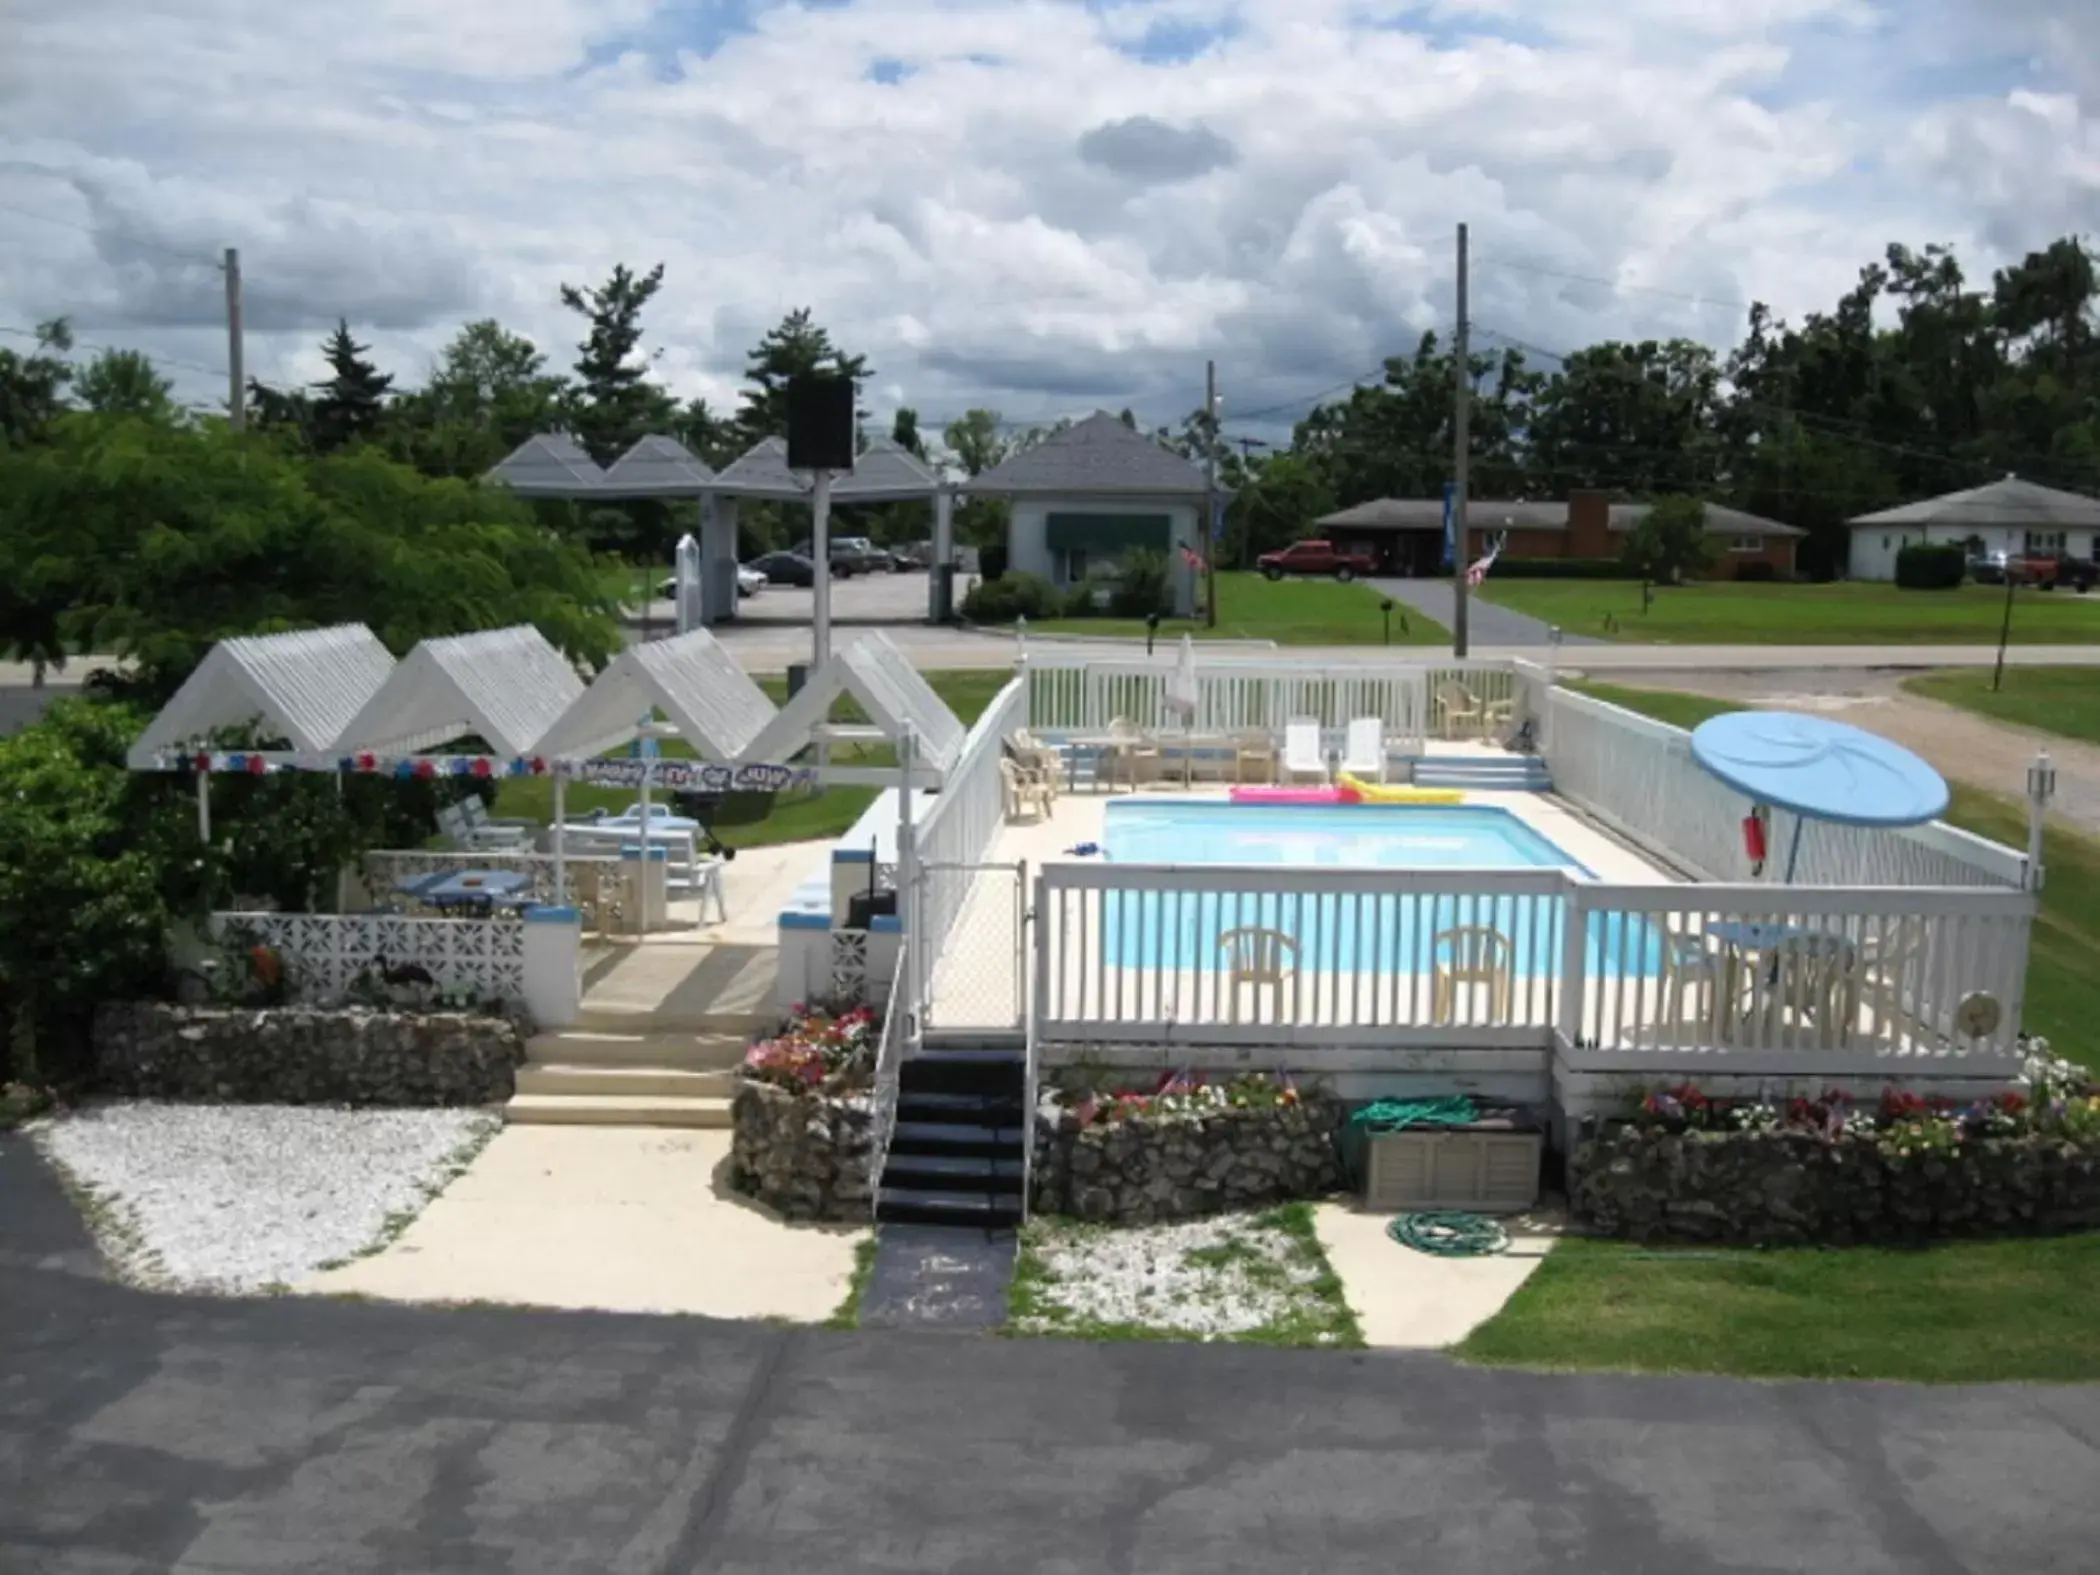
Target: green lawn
{"x": 1974, "y": 1312}
{"x": 750, "y": 820}
{"x": 1724, "y": 612}
{"x": 1966, "y": 1312}
{"x": 2056, "y": 699}
{"x": 1290, "y": 612}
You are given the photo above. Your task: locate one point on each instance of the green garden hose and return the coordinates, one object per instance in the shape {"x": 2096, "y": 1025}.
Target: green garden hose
{"x": 1450, "y": 1235}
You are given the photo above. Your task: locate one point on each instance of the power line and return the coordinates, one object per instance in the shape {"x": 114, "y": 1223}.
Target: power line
{"x": 120, "y": 235}
{"x": 1615, "y": 286}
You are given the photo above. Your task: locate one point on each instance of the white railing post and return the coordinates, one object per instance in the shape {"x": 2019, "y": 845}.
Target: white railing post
{"x": 2041, "y": 787}
{"x": 1574, "y": 968}
{"x": 908, "y": 879}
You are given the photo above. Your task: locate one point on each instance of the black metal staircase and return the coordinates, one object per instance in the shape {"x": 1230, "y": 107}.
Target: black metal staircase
{"x": 957, "y": 1153}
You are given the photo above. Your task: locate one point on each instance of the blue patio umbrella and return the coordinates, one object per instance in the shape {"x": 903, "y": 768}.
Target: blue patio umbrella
{"x": 1819, "y": 770}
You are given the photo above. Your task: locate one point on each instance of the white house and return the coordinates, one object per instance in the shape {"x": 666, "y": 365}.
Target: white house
{"x": 2006, "y": 516}
{"x": 1090, "y": 494}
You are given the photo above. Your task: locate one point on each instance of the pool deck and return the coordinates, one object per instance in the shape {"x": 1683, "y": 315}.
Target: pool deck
{"x": 969, "y": 981}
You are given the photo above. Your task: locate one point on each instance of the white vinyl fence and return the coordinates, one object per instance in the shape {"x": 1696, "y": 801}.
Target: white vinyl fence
{"x": 1239, "y": 694}
{"x": 1637, "y": 775}
{"x": 1749, "y": 979}
{"x": 962, "y": 821}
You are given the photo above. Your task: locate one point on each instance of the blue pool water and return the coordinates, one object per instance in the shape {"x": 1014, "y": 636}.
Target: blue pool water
{"x": 1379, "y": 932}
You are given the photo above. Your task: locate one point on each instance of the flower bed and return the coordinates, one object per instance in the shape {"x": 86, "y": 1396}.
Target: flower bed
{"x": 1188, "y": 1149}
{"x": 1902, "y": 1169}
{"x": 802, "y": 1121}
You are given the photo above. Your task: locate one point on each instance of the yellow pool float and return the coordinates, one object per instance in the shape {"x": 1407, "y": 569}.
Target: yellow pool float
{"x": 1379, "y": 793}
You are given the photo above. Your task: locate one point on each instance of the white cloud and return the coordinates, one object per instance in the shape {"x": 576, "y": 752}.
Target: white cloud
{"x": 1030, "y": 215}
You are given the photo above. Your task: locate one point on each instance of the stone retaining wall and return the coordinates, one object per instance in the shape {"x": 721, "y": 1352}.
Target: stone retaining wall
{"x": 802, "y": 1154}
{"x": 306, "y": 1055}
{"x": 1144, "y": 1172}
{"x": 1750, "y": 1188}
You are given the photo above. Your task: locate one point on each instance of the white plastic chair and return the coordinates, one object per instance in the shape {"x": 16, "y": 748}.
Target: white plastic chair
{"x": 1301, "y": 750}
{"x": 1363, "y": 750}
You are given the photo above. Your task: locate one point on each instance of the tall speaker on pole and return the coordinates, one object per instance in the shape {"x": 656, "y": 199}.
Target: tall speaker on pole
{"x": 820, "y": 440}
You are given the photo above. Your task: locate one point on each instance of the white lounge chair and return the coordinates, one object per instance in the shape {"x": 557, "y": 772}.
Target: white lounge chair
{"x": 1301, "y": 750}
{"x": 1363, "y": 750}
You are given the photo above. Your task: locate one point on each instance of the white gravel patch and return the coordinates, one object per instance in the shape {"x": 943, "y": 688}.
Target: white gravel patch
{"x": 237, "y": 1198}
{"x": 1206, "y": 1279}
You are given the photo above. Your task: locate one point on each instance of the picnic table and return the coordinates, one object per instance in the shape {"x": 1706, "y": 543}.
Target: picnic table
{"x": 480, "y": 891}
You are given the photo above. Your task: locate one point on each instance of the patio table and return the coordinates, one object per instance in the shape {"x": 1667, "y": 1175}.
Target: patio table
{"x": 1755, "y": 947}
{"x": 483, "y": 891}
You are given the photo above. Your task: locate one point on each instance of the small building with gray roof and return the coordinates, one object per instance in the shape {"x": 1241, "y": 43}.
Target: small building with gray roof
{"x": 2006, "y": 516}
{"x": 1086, "y": 496}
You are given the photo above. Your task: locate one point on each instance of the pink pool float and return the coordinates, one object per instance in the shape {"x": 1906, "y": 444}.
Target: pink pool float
{"x": 1295, "y": 795}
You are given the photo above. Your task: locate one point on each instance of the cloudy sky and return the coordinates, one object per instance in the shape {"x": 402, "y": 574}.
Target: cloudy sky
{"x": 1040, "y": 205}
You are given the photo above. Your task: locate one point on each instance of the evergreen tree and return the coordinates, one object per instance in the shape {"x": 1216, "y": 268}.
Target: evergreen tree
{"x": 353, "y": 401}
{"x": 904, "y": 431}
{"x": 618, "y": 404}
{"x": 796, "y": 348}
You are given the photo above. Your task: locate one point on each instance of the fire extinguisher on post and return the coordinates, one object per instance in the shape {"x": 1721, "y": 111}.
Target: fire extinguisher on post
{"x": 1754, "y": 840}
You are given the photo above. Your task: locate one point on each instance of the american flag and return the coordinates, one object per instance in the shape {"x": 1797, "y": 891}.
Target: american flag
{"x": 1478, "y": 571}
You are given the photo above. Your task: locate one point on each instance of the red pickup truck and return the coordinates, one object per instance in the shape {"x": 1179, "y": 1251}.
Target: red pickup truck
{"x": 1315, "y": 557}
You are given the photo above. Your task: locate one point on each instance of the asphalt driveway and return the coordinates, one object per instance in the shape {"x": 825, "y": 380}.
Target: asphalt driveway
{"x": 1487, "y": 625}
{"x": 140, "y": 1432}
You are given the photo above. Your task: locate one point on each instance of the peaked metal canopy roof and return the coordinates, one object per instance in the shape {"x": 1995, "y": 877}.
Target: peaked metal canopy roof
{"x": 659, "y": 467}
{"x": 2010, "y": 501}
{"x": 762, "y": 472}
{"x": 895, "y": 694}
{"x": 1099, "y": 457}
{"x": 886, "y": 472}
{"x": 692, "y": 679}
{"x": 304, "y": 686}
{"x": 552, "y": 465}
{"x": 508, "y": 686}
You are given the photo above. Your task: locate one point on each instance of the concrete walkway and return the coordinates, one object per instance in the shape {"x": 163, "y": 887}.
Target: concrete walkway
{"x": 1408, "y": 1301}
{"x": 1486, "y": 624}
{"x": 620, "y": 1219}
{"x": 298, "y": 1435}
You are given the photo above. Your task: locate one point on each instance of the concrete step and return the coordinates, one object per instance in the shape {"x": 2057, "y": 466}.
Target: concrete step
{"x": 667, "y": 1050}
{"x": 618, "y": 1019}
{"x": 616, "y": 1110}
{"x": 634, "y": 1082}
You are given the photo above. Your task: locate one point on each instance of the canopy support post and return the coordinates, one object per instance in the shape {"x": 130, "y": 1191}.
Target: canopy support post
{"x": 204, "y": 807}
{"x": 561, "y": 863}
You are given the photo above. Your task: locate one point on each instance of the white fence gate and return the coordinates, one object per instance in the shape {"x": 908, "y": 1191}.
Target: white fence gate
{"x": 977, "y": 978}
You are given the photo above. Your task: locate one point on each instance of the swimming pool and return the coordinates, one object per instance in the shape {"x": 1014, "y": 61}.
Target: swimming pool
{"x": 1384, "y": 932}
{"x": 1327, "y": 836}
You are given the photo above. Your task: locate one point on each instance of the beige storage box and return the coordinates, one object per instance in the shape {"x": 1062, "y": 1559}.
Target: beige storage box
{"x": 1487, "y": 1172}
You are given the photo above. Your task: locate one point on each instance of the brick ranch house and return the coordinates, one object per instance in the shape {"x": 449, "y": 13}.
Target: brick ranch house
{"x": 1407, "y": 534}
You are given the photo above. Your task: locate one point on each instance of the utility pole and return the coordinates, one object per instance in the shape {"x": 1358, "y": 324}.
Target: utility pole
{"x": 1210, "y": 494}
{"x": 236, "y": 383}
{"x": 1461, "y": 423}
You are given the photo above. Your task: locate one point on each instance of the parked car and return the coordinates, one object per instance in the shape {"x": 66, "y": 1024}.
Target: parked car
{"x": 845, "y": 562}
{"x": 1987, "y": 568}
{"x": 1315, "y": 557}
{"x": 864, "y": 552}
{"x": 913, "y": 555}
{"x": 786, "y": 568}
{"x": 749, "y": 582}
{"x": 2051, "y": 569}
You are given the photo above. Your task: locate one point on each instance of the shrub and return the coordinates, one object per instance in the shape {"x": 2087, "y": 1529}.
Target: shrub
{"x": 1143, "y": 585}
{"x": 1079, "y": 602}
{"x": 1559, "y": 569}
{"x": 1012, "y": 596}
{"x": 1930, "y": 566}
{"x": 991, "y": 561}
{"x": 1759, "y": 573}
